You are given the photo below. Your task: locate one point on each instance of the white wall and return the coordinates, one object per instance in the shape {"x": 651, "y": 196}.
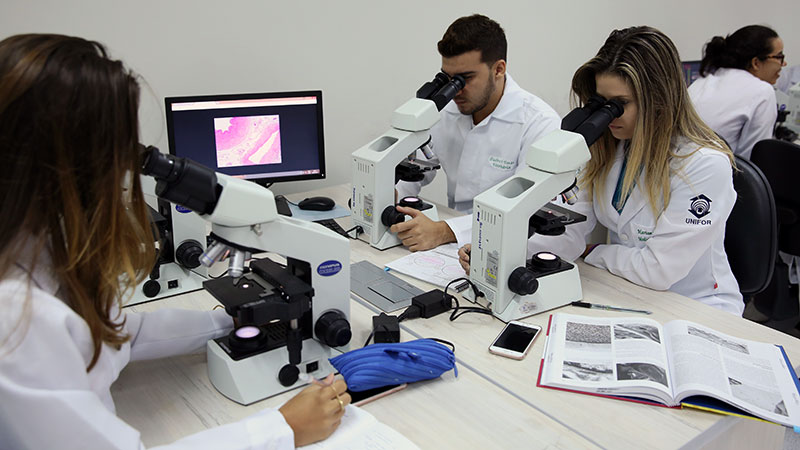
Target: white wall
{"x": 367, "y": 57}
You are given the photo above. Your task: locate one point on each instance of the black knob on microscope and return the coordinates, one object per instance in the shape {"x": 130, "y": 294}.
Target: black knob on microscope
{"x": 151, "y": 288}
{"x": 188, "y": 254}
{"x": 391, "y": 216}
{"x": 333, "y": 329}
{"x": 522, "y": 281}
{"x": 288, "y": 375}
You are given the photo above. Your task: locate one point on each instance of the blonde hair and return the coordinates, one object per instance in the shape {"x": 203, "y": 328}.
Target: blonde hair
{"x": 70, "y": 164}
{"x": 648, "y": 61}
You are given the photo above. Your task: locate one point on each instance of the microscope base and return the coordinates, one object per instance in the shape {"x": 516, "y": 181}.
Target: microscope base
{"x": 255, "y": 378}
{"x": 174, "y": 280}
{"x": 389, "y": 239}
{"x": 554, "y": 291}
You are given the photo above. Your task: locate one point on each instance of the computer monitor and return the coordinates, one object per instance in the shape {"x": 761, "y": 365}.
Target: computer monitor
{"x": 260, "y": 137}
{"x": 691, "y": 71}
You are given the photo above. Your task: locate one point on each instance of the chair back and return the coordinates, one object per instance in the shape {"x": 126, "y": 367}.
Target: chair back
{"x": 780, "y": 163}
{"x": 751, "y": 232}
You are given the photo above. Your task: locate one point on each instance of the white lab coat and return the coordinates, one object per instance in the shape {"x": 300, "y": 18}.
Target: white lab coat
{"x": 677, "y": 251}
{"x": 48, "y": 400}
{"x": 738, "y": 106}
{"x": 477, "y": 157}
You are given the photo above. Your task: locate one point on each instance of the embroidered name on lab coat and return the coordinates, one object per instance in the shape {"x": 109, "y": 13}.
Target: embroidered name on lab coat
{"x": 700, "y": 207}
{"x": 644, "y": 235}
{"x": 500, "y": 163}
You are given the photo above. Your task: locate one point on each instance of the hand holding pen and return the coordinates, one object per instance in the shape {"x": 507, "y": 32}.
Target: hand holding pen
{"x": 317, "y": 410}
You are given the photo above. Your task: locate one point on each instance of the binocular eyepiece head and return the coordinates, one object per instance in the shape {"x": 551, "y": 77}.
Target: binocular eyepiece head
{"x": 441, "y": 89}
{"x": 181, "y": 181}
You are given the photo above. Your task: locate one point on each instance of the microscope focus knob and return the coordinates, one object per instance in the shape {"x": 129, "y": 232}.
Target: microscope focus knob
{"x": 333, "y": 329}
{"x": 188, "y": 254}
{"x": 151, "y": 288}
{"x": 288, "y": 375}
{"x": 522, "y": 281}
{"x": 391, "y": 216}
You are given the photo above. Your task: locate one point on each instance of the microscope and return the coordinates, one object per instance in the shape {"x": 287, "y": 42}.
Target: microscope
{"x": 793, "y": 109}
{"x": 379, "y": 165}
{"x": 506, "y": 215}
{"x": 290, "y": 317}
{"x": 180, "y": 241}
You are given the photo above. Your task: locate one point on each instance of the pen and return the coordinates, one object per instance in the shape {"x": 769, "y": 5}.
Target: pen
{"x": 608, "y": 308}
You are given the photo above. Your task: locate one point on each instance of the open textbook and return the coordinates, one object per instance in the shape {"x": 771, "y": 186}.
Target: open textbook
{"x": 680, "y": 362}
{"x": 360, "y": 430}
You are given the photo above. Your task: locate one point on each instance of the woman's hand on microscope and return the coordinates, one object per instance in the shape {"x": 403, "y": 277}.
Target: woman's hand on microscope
{"x": 315, "y": 412}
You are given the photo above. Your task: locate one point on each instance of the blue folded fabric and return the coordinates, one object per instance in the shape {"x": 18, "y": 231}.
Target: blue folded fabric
{"x": 379, "y": 365}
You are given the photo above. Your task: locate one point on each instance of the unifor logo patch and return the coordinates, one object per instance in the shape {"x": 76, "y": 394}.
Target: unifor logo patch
{"x": 700, "y": 206}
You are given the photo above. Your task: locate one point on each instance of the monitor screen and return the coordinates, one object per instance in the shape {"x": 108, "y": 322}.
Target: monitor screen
{"x": 259, "y": 137}
{"x": 691, "y": 71}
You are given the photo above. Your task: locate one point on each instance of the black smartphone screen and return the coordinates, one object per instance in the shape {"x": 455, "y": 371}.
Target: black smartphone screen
{"x": 516, "y": 338}
{"x": 361, "y": 395}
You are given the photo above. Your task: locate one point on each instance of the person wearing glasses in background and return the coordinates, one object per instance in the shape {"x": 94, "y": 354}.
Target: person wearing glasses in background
{"x": 735, "y": 94}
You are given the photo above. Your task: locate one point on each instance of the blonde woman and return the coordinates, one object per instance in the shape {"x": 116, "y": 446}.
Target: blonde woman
{"x": 73, "y": 225}
{"x": 659, "y": 179}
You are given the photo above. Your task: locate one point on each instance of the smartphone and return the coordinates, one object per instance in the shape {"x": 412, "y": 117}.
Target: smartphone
{"x": 515, "y": 340}
{"x": 363, "y": 397}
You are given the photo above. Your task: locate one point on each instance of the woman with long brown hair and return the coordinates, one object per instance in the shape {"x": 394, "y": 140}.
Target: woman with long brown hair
{"x": 73, "y": 228}
{"x": 659, "y": 179}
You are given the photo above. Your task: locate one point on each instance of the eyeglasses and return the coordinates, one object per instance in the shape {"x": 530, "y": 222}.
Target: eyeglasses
{"x": 780, "y": 57}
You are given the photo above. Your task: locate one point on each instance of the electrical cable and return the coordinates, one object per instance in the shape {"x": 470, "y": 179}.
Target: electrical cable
{"x": 459, "y": 310}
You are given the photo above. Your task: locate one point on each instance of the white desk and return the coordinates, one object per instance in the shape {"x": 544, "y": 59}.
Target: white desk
{"x": 493, "y": 402}
{"x": 170, "y": 398}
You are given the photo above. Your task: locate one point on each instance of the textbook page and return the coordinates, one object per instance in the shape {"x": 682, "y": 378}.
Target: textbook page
{"x": 752, "y": 376}
{"x": 437, "y": 266}
{"x": 610, "y": 356}
{"x": 360, "y": 430}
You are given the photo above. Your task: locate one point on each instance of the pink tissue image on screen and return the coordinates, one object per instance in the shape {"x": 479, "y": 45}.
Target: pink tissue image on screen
{"x": 247, "y": 141}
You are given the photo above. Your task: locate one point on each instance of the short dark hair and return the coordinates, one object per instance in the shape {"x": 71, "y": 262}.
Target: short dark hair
{"x": 475, "y": 32}
{"x": 737, "y": 50}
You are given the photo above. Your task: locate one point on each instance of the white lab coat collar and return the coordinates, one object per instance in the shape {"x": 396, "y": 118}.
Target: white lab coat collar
{"x": 42, "y": 275}
{"x": 508, "y": 109}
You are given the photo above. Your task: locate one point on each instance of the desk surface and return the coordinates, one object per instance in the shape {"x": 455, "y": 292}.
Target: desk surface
{"x": 493, "y": 400}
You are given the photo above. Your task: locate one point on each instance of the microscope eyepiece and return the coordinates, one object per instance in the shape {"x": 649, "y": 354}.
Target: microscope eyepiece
{"x": 596, "y": 123}
{"x": 182, "y": 181}
{"x": 155, "y": 164}
{"x": 578, "y": 115}
{"x": 431, "y": 87}
{"x": 443, "y": 96}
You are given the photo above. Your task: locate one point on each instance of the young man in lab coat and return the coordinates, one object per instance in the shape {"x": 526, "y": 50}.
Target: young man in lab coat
{"x": 483, "y": 133}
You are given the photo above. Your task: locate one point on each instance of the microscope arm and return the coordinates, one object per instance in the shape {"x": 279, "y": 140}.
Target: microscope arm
{"x": 501, "y": 213}
{"x": 374, "y": 165}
